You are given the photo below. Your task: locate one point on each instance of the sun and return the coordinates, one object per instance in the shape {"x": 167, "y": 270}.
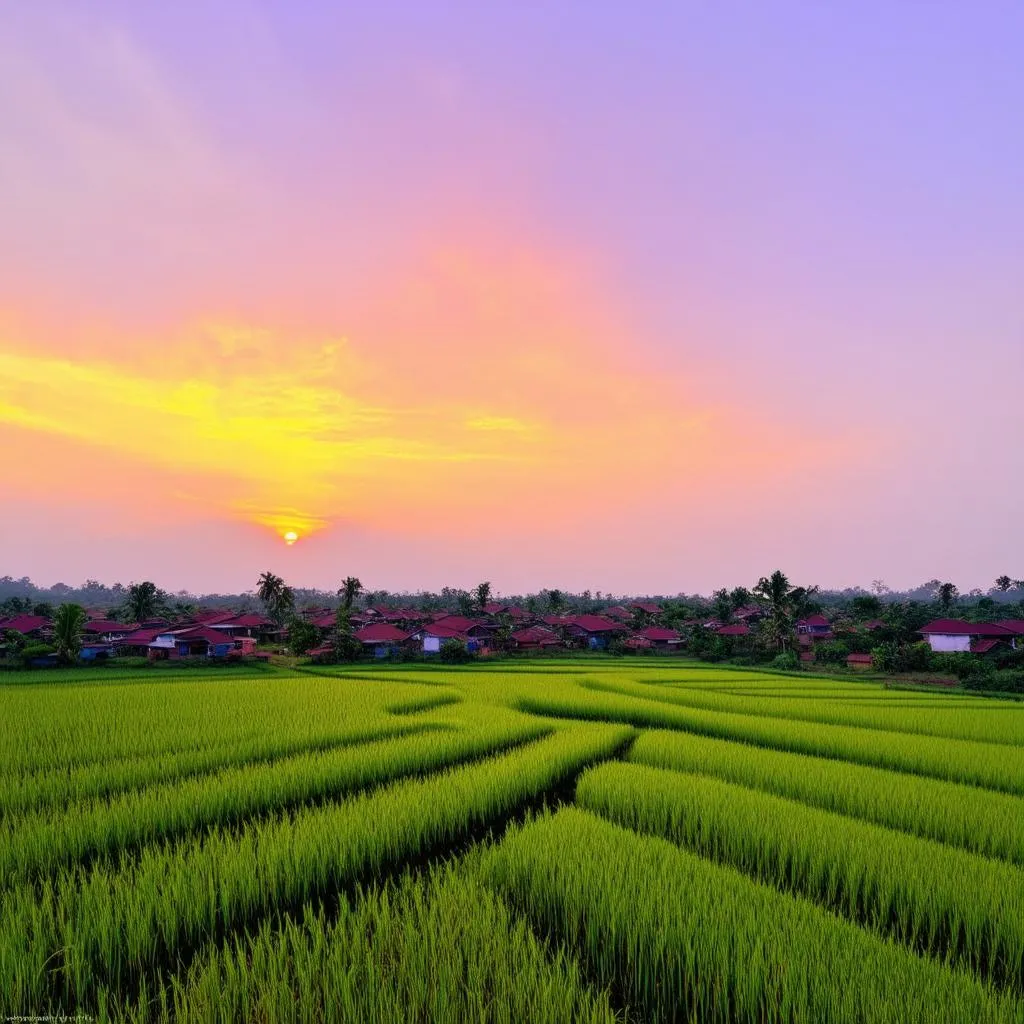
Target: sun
{"x": 290, "y": 537}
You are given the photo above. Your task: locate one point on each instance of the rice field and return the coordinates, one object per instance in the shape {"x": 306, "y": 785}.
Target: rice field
{"x": 564, "y": 840}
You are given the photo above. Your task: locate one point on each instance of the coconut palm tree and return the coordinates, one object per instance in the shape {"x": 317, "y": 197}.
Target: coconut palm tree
{"x": 67, "y": 631}
{"x": 350, "y": 589}
{"x": 784, "y": 603}
{"x": 277, "y": 597}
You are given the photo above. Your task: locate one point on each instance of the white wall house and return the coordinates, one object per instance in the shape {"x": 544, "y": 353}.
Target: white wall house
{"x": 956, "y": 635}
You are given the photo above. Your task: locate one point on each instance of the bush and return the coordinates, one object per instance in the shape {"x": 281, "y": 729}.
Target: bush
{"x": 31, "y": 651}
{"x": 995, "y": 681}
{"x": 832, "y": 652}
{"x": 788, "y": 661}
{"x": 892, "y": 656}
{"x": 455, "y": 652}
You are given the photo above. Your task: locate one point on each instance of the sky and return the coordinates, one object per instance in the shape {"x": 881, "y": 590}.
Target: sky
{"x": 638, "y": 298}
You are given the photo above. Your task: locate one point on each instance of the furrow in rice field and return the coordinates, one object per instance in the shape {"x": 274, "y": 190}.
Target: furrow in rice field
{"x": 688, "y": 939}
{"x": 958, "y": 906}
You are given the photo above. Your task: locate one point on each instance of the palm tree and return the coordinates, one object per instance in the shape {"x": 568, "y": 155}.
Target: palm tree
{"x": 143, "y": 601}
{"x": 277, "y": 597}
{"x": 67, "y": 631}
{"x": 784, "y": 603}
{"x": 482, "y": 593}
{"x": 350, "y": 589}
{"x": 946, "y": 594}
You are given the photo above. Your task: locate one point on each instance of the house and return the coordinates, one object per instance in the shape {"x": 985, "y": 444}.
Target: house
{"x": 861, "y": 662}
{"x": 737, "y": 630}
{"x": 384, "y": 638}
{"x": 433, "y": 636}
{"x": 956, "y": 635}
{"x": 618, "y": 613}
{"x": 535, "y": 638}
{"x": 646, "y": 607}
{"x": 96, "y": 650}
{"x": 457, "y": 622}
{"x": 33, "y": 626}
{"x": 137, "y": 641}
{"x": 749, "y": 613}
{"x": 193, "y": 642}
{"x": 817, "y": 627}
{"x": 108, "y": 629}
{"x": 594, "y": 630}
{"x": 637, "y": 643}
{"x": 249, "y": 624}
{"x": 659, "y": 638}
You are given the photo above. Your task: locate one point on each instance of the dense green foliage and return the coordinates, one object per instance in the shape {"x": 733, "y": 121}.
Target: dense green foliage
{"x": 399, "y": 843}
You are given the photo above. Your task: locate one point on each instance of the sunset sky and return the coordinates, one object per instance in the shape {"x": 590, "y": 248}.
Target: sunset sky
{"x": 640, "y": 298}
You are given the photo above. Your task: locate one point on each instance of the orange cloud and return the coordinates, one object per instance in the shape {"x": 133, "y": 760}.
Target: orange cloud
{"x": 484, "y": 386}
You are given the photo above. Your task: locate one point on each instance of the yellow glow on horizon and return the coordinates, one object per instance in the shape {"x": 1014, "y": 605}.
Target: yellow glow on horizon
{"x": 490, "y": 388}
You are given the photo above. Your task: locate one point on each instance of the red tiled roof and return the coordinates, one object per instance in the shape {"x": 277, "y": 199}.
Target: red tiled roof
{"x": 1013, "y": 625}
{"x": 537, "y": 635}
{"x": 139, "y": 637}
{"x": 556, "y": 620}
{"x": 212, "y": 636}
{"x": 209, "y": 616}
{"x": 444, "y": 632}
{"x": 106, "y": 626}
{"x": 646, "y": 606}
{"x": 958, "y": 627}
{"x": 658, "y": 633}
{"x": 983, "y": 646}
{"x": 381, "y": 633}
{"x": 618, "y": 612}
{"x": 858, "y": 659}
{"x": 456, "y": 622}
{"x": 595, "y": 624}
{"x": 250, "y": 620}
{"x": 733, "y": 630}
{"x": 326, "y": 621}
{"x": 24, "y": 623}
{"x": 814, "y": 620}
{"x": 638, "y": 642}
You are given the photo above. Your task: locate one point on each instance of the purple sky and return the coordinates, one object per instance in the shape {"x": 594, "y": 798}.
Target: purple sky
{"x": 641, "y": 298}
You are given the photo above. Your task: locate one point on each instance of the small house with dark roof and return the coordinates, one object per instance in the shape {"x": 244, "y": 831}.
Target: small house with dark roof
{"x": 659, "y": 638}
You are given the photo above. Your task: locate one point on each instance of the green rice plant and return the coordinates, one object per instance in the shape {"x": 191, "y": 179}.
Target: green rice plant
{"x": 57, "y": 728}
{"x": 443, "y": 949}
{"x": 982, "y": 764}
{"x": 961, "y": 907}
{"x": 989, "y": 721}
{"x": 41, "y": 790}
{"x": 36, "y": 844}
{"x": 685, "y": 939}
{"x": 106, "y": 926}
{"x": 978, "y": 820}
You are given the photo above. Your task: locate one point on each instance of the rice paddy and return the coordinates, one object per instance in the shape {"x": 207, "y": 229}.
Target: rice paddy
{"x": 590, "y": 840}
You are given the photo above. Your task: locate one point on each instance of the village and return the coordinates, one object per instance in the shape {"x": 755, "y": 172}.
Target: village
{"x": 497, "y": 628}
